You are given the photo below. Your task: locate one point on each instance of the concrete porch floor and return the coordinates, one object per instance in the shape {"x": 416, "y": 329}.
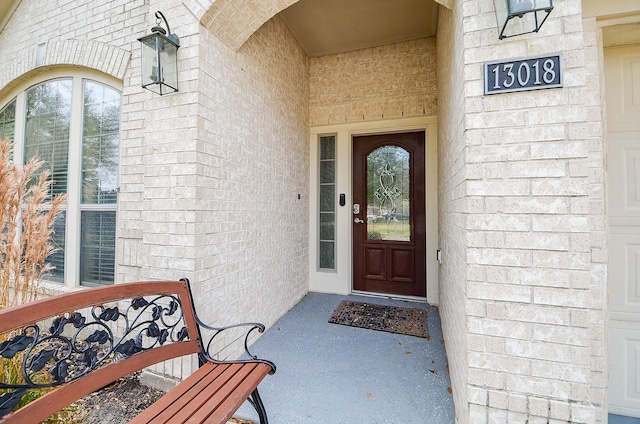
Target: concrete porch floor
{"x": 334, "y": 374}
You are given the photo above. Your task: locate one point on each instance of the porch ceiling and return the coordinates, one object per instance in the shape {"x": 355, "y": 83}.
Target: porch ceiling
{"x": 335, "y": 26}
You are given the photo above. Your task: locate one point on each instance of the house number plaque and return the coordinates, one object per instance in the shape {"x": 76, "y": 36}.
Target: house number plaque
{"x": 523, "y": 74}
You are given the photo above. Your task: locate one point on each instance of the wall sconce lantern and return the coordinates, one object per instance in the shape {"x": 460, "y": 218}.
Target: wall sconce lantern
{"x": 517, "y": 17}
{"x": 160, "y": 59}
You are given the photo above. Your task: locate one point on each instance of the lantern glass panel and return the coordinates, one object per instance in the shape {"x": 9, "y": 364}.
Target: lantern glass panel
{"x": 149, "y": 61}
{"x": 169, "y": 64}
{"x": 159, "y": 64}
{"x": 516, "y": 17}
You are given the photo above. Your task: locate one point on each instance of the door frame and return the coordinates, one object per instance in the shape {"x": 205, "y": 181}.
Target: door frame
{"x": 339, "y": 281}
{"x": 401, "y": 264}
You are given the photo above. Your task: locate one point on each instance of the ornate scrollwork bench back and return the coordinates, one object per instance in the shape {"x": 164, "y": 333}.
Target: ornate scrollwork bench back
{"x": 82, "y": 341}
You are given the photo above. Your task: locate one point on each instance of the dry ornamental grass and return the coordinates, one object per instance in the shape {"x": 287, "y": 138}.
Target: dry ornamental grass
{"x": 27, "y": 214}
{"x": 26, "y": 223}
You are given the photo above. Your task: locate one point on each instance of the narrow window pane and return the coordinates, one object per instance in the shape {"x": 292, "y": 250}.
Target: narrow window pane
{"x": 327, "y": 171}
{"x": 47, "y": 127}
{"x": 8, "y": 121}
{"x": 327, "y": 215}
{"x": 328, "y": 147}
{"x": 100, "y": 144}
{"x": 100, "y": 161}
{"x": 48, "y": 116}
{"x": 327, "y": 226}
{"x": 56, "y": 259}
{"x": 327, "y": 255}
{"x": 327, "y": 198}
{"x": 97, "y": 247}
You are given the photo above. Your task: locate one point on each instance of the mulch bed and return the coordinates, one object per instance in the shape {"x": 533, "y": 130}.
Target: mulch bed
{"x": 121, "y": 401}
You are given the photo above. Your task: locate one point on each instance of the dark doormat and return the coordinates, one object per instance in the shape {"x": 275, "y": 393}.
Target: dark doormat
{"x": 392, "y": 319}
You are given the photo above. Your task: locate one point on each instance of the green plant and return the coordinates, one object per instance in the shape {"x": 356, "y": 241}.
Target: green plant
{"x": 27, "y": 214}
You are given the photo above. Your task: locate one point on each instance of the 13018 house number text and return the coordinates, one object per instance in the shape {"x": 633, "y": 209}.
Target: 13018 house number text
{"x": 523, "y": 74}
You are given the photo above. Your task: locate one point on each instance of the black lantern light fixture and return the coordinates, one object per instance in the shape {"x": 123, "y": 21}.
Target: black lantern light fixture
{"x": 160, "y": 58}
{"x": 517, "y": 17}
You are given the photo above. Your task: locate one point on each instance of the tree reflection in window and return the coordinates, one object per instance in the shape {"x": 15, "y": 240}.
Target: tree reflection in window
{"x": 48, "y": 119}
{"x": 100, "y": 143}
{"x": 47, "y": 129}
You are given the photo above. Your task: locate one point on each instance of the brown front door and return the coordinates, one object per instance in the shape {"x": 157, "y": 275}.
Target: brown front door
{"x": 389, "y": 214}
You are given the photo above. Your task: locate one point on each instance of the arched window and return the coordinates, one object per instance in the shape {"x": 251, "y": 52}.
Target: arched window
{"x": 73, "y": 124}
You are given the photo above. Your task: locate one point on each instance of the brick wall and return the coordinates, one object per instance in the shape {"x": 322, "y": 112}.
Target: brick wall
{"x": 225, "y": 179}
{"x": 253, "y": 163}
{"x": 392, "y": 81}
{"x": 534, "y": 242}
{"x": 68, "y": 33}
{"x": 453, "y": 204}
{"x": 234, "y": 21}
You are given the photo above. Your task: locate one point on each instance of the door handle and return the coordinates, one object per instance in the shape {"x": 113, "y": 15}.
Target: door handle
{"x": 358, "y": 221}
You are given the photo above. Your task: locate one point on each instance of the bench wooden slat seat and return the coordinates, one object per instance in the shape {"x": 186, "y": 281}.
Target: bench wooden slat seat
{"x": 211, "y": 394}
{"x": 159, "y": 323}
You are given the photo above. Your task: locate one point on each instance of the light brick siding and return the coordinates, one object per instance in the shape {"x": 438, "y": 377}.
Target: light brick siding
{"x": 234, "y": 21}
{"x": 222, "y": 173}
{"x": 81, "y": 38}
{"x": 522, "y": 211}
{"x": 253, "y": 163}
{"x": 386, "y": 82}
{"x": 453, "y": 201}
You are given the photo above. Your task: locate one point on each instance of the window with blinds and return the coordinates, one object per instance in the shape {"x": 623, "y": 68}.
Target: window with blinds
{"x": 58, "y": 133}
{"x": 46, "y": 137}
{"x": 100, "y": 146}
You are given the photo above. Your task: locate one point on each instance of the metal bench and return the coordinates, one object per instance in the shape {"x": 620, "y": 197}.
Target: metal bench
{"x": 74, "y": 344}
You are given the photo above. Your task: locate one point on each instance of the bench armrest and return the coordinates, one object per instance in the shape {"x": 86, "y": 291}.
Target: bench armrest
{"x": 251, "y": 327}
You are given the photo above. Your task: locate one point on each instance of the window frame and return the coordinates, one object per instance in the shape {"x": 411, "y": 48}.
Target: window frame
{"x": 74, "y": 206}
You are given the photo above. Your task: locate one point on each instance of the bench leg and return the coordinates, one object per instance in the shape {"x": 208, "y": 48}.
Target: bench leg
{"x": 256, "y": 401}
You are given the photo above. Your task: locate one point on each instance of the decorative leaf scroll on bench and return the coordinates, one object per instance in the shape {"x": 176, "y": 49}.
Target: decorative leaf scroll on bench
{"x": 79, "y": 342}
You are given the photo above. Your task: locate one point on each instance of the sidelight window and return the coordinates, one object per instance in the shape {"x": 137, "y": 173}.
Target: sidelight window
{"x": 327, "y": 219}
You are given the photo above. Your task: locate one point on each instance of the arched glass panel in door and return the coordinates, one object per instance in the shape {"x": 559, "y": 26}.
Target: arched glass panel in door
{"x": 388, "y": 194}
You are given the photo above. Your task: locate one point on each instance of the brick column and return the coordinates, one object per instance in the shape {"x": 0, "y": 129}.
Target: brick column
{"x": 523, "y": 231}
